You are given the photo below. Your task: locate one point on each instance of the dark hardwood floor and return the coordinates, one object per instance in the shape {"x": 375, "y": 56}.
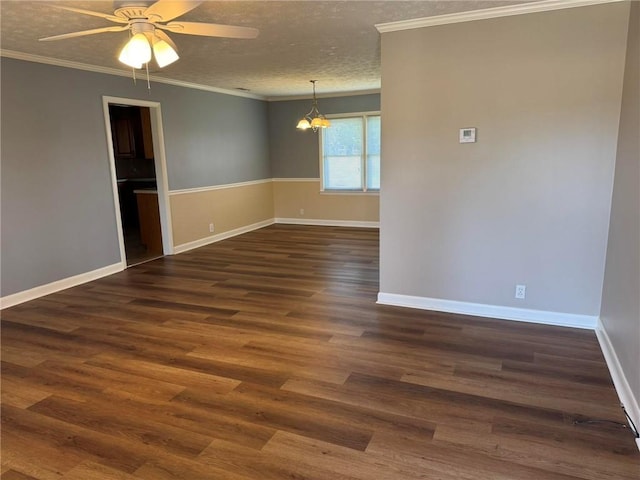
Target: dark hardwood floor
{"x": 265, "y": 357}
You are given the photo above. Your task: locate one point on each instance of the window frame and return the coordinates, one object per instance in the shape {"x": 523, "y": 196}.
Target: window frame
{"x": 363, "y": 159}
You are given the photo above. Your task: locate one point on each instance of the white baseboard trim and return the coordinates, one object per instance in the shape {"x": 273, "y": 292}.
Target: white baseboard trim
{"x": 185, "y": 247}
{"x": 625, "y": 394}
{"x": 53, "y": 287}
{"x": 490, "y": 311}
{"x": 328, "y": 223}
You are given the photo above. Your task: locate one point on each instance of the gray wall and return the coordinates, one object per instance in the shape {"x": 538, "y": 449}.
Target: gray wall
{"x": 529, "y": 202}
{"x": 295, "y": 153}
{"x": 620, "y": 313}
{"x": 213, "y": 139}
{"x": 58, "y": 217}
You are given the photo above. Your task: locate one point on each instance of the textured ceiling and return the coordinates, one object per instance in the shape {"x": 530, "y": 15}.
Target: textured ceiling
{"x": 334, "y": 42}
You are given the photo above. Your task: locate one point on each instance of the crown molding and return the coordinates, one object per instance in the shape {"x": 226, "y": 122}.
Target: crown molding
{"x": 495, "y": 12}
{"x": 121, "y": 73}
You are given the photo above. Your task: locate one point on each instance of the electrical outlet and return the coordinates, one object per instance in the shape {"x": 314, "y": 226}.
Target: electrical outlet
{"x": 211, "y": 227}
{"x": 302, "y": 211}
{"x": 521, "y": 291}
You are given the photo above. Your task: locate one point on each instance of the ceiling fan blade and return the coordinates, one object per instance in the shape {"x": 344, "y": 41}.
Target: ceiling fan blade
{"x": 165, "y": 10}
{"x": 106, "y": 16}
{"x": 210, "y": 30}
{"x": 85, "y": 32}
{"x": 163, "y": 36}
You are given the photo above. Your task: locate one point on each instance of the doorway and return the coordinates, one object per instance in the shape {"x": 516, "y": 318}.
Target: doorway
{"x": 139, "y": 176}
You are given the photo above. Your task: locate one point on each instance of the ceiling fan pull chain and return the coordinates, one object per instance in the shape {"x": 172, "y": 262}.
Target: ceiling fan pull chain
{"x": 148, "y": 82}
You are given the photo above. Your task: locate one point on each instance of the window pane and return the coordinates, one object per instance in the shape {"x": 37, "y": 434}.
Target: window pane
{"x": 343, "y": 173}
{"x": 373, "y": 152}
{"x": 343, "y": 138}
{"x": 373, "y": 135}
{"x": 342, "y": 147}
{"x": 373, "y": 172}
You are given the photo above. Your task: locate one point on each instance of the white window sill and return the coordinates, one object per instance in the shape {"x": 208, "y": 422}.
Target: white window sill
{"x": 350, "y": 192}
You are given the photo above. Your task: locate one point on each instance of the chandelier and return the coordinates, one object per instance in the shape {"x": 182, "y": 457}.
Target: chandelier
{"x": 314, "y": 119}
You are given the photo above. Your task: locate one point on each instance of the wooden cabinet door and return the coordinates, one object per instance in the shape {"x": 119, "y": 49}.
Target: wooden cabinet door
{"x": 124, "y": 140}
{"x": 147, "y": 136}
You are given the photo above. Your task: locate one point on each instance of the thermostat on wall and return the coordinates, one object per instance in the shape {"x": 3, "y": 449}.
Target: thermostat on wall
{"x": 467, "y": 135}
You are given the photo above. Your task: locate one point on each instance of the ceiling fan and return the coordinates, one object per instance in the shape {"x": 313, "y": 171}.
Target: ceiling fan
{"x": 147, "y": 23}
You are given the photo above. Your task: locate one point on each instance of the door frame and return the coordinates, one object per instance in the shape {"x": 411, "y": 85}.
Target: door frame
{"x": 160, "y": 161}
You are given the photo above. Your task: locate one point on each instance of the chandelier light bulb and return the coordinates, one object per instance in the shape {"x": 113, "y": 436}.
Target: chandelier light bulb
{"x": 136, "y": 52}
{"x": 303, "y": 124}
{"x": 316, "y": 122}
{"x": 163, "y": 52}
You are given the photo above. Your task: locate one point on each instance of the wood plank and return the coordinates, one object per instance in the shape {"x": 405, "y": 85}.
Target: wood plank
{"x": 278, "y": 417}
{"x": 363, "y": 465}
{"x": 88, "y": 470}
{"x": 110, "y": 420}
{"x": 14, "y": 475}
{"x": 272, "y": 462}
{"x": 437, "y": 459}
{"x": 45, "y": 447}
{"x": 19, "y": 394}
{"x": 554, "y": 457}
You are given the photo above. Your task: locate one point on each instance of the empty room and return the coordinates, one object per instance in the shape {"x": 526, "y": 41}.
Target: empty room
{"x": 320, "y": 240}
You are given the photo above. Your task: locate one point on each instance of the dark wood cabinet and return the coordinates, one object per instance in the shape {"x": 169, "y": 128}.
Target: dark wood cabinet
{"x": 147, "y": 137}
{"x": 131, "y": 130}
{"x": 124, "y": 131}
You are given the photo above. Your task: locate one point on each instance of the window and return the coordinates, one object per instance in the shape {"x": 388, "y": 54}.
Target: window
{"x": 350, "y": 153}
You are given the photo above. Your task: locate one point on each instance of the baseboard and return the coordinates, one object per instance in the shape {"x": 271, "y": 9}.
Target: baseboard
{"x": 185, "y": 247}
{"x": 625, "y": 394}
{"x": 53, "y": 287}
{"x": 490, "y": 311}
{"x": 328, "y": 223}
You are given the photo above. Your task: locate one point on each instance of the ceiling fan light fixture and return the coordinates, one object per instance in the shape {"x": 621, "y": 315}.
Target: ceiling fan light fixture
{"x": 314, "y": 119}
{"x": 136, "y": 52}
{"x": 146, "y": 22}
{"x": 163, "y": 52}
